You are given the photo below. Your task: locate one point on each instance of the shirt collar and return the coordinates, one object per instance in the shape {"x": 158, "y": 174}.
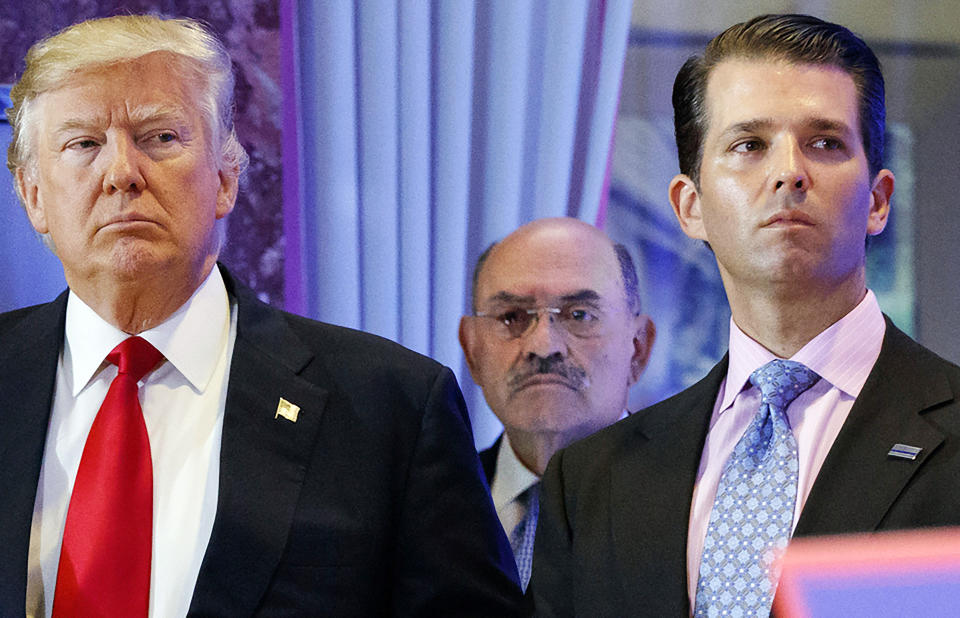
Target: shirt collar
{"x": 843, "y": 354}
{"x": 192, "y": 339}
{"x": 512, "y": 477}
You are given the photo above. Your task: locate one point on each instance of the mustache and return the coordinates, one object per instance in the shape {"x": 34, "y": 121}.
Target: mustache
{"x": 575, "y": 376}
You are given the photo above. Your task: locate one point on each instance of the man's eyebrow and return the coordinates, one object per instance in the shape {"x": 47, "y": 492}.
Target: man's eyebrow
{"x": 138, "y": 116}
{"x": 72, "y": 124}
{"x": 817, "y": 123}
{"x": 581, "y": 296}
{"x": 508, "y": 298}
{"x": 826, "y": 124}
{"x": 151, "y": 113}
{"x": 749, "y": 126}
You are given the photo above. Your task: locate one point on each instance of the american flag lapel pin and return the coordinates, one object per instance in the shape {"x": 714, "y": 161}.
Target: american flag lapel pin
{"x": 287, "y": 410}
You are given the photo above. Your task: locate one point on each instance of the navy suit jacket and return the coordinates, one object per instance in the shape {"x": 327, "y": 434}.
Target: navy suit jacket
{"x": 612, "y": 533}
{"x": 488, "y": 459}
{"x": 371, "y": 504}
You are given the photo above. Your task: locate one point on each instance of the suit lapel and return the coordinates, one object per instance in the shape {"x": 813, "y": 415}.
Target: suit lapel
{"x": 28, "y": 368}
{"x": 904, "y": 382}
{"x": 263, "y": 459}
{"x": 488, "y": 459}
{"x": 651, "y": 489}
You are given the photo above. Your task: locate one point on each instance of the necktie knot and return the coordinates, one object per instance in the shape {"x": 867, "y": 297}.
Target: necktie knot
{"x": 782, "y": 381}
{"x": 134, "y": 357}
{"x": 530, "y": 497}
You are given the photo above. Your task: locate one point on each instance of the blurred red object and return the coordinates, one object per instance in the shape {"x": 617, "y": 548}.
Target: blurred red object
{"x": 899, "y": 573}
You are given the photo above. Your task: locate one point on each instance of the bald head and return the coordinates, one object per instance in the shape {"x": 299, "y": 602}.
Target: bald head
{"x": 556, "y": 339}
{"x": 573, "y": 235}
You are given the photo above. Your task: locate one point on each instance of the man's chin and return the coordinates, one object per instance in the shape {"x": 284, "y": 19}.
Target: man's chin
{"x": 130, "y": 261}
{"x": 136, "y": 259}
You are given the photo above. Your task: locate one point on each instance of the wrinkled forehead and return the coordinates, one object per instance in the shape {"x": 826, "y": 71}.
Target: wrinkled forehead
{"x": 547, "y": 268}
{"x": 737, "y": 86}
{"x": 174, "y": 71}
{"x": 130, "y": 93}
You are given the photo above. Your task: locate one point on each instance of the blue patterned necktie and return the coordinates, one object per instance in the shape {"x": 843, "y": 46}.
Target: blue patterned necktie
{"x": 521, "y": 539}
{"x": 752, "y": 515}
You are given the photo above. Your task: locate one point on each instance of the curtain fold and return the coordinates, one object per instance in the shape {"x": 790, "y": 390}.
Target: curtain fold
{"x": 427, "y": 130}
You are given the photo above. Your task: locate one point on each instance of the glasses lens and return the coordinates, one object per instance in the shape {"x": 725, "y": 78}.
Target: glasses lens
{"x": 516, "y": 321}
{"x": 579, "y": 321}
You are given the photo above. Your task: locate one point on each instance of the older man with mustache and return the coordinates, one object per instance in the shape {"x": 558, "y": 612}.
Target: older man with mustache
{"x": 555, "y": 341}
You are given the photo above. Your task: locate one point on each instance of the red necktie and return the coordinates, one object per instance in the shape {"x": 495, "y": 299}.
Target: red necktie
{"x": 107, "y": 541}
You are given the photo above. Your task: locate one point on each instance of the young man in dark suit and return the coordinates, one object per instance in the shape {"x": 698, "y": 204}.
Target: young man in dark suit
{"x": 824, "y": 417}
{"x": 170, "y": 444}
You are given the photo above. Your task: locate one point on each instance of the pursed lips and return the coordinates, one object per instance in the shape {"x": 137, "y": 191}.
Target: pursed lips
{"x": 543, "y": 379}
{"x": 787, "y": 218}
{"x": 128, "y": 219}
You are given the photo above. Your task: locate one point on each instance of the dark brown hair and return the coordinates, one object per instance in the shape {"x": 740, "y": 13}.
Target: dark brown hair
{"x": 799, "y": 39}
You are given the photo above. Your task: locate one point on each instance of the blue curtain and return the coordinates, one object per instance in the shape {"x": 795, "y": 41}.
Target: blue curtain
{"x": 419, "y": 133}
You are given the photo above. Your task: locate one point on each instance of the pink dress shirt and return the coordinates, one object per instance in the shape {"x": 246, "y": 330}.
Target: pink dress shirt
{"x": 842, "y": 356}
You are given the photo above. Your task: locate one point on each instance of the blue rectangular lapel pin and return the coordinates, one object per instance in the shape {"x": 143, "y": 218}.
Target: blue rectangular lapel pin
{"x": 905, "y": 451}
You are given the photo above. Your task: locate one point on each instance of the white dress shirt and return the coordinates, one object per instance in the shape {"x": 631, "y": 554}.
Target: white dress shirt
{"x": 510, "y": 479}
{"x": 183, "y": 402}
{"x": 842, "y": 355}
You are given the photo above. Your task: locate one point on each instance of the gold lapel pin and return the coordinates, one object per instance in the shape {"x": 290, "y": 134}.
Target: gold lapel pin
{"x": 287, "y": 410}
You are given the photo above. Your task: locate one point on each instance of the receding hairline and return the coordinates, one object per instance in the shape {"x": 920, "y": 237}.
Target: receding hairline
{"x": 69, "y": 53}
{"x": 189, "y": 81}
{"x": 772, "y": 60}
{"x": 563, "y": 224}
{"x": 768, "y": 57}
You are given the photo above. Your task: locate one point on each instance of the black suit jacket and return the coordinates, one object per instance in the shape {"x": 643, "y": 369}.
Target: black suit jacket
{"x": 612, "y": 534}
{"x": 488, "y": 459}
{"x": 371, "y": 504}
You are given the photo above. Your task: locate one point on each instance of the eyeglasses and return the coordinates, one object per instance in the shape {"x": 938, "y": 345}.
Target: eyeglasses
{"x": 515, "y": 322}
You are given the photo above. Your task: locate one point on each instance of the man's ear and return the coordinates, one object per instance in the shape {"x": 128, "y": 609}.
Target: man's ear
{"x": 645, "y": 332}
{"x": 685, "y": 200}
{"x": 468, "y": 342}
{"x": 28, "y": 191}
{"x": 227, "y": 193}
{"x": 880, "y": 196}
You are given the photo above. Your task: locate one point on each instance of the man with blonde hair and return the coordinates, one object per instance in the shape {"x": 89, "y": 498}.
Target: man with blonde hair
{"x": 172, "y": 445}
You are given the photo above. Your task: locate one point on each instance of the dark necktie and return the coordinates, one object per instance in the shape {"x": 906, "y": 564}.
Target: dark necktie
{"x": 752, "y": 515}
{"x": 107, "y": 540}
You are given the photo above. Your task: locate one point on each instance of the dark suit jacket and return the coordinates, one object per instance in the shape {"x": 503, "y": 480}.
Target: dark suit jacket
{"x": 488, "y": 459}
{"x": 612, "y": 534}
{"x": 372, "y": 503}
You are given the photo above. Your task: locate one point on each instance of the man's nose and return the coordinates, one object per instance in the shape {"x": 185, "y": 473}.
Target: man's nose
{"x": 545, "y": 337}
{"x": 789, "y": 171}
{"x": 123, "y": 172}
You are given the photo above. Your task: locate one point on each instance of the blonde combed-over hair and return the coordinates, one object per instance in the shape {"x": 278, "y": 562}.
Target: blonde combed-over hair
{"x": 88, "y": 45}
